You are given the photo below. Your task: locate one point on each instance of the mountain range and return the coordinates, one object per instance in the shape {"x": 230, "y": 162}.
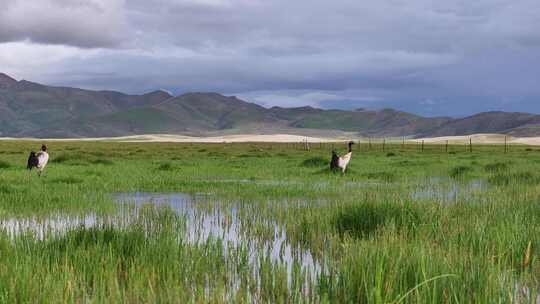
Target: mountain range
{"x": 29, "y": 109}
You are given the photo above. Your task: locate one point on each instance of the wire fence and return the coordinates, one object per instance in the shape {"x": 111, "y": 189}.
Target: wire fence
{"x": 392, "y": 144}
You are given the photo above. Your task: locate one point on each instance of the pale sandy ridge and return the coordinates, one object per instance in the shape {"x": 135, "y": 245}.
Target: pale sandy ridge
{"x": 478, "y": 138}
{"x": 290, "y": 138}
{"x": 284, "y": 138}
{"x": 226, "y": 139}
{"x": 481, "y": 139}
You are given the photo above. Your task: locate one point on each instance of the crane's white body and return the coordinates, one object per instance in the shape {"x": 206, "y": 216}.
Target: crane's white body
{"x": 43, "y": 159}
{"x": 344, "y": 161}
{"x": 341, "y": 162}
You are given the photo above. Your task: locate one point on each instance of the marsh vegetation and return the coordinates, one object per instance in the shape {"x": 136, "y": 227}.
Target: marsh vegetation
{"x": 165, "y": 222}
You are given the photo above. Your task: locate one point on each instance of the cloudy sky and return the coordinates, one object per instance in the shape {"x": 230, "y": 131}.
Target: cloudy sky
{"x": 431, "y": 57}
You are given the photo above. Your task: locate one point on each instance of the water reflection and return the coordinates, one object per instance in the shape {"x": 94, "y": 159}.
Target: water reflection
{"x": 445, "y": 189}
{"x": 226, "y": 224}
{"x": 202, "y": 225}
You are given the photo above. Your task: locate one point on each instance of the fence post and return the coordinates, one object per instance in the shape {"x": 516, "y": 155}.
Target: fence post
{"x": 446, "y": 148}
{"x": 505, "y": 144}
{"x": 470, "y": 144}
{"x": 422, "y": 145}
{"x": 384, "y": 144}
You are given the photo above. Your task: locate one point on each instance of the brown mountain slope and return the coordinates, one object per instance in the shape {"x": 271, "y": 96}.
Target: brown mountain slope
{"x": 26, "y": 106}
{"x": 488, "y": 122}
{"x": 215, "y": 111}
{"x": 386, "y": 122}
{"x": 36, "y": 110}
{"x": 6, "y": 81}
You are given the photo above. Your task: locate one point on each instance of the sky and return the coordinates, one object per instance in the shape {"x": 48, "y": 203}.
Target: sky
{"x": 430, "y": 57}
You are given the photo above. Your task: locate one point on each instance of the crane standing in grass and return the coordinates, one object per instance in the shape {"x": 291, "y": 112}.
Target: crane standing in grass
{"x": 38, "y": 160}
{"x": 341, "y": 162}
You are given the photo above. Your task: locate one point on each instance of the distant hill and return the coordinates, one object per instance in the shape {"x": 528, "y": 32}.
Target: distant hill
{"x": 36, "y": 110}
{"x": 517, "y": 124}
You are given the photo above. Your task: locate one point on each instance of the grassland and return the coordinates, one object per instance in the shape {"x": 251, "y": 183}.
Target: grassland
{"x": 401, "y": 226}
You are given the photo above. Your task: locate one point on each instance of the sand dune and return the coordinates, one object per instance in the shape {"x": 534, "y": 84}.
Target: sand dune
{"x": 224, "y": 139}
{"x": 284, "y": 138}
{"x": 477, "y": 138}
{"x": 212, "y": 139}
{"x": 482, "y": 139}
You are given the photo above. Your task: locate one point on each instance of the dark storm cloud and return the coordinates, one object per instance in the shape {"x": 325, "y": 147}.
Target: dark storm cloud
{"x": 81, "y": 23}
{"x": 433, "y": 57}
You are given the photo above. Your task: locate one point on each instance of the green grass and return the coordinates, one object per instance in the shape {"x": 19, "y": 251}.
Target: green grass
{"x": 4, "y": 165}
{"x": 364, "y": 219}
{"x": 315, "y": 162}
{"x": 459, "y": 171}
{"x": 495, "y": 167}
{"x": 383, "y": 176}
{"x": 165, "y": 166}
{"x": 375, "y": 242}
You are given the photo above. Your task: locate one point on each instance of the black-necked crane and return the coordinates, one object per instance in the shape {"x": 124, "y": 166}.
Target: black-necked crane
{"x": 38, "y": 160}
{"x": 341, "y": 162}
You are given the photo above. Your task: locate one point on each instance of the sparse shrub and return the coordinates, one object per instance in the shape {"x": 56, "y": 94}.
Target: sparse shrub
{"x": 122, "y": 242}
{"x": 405, "y": 163}
{"x": 93, "y": 173}
{"x": 390, "y": 154}
{"x": 254, "y": 155}
{"x": 493, "y": 167}
{"x": 216, "y": 154}
{"x": 326, "y": 171}
{"x": 384, "y": 176}
{"x": 102, "y": 161}
{"x": 71, "y": 159}
{"x": 502, "y": 179}
{"x": 97, "y": 154}
{"x": 165, "y": 167}
{"x": 459, "y": 171}
{"x": 315, "y": 162}
{"x": 80, "y": 159}
{"x": 66, "y": 180}
{"x": 62, "y": 158}
{"x": 4, "y": 164}
{"x": 6, "y": 189}
{"x": 364, "y": 219}
{"x": 527, "y": 178}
